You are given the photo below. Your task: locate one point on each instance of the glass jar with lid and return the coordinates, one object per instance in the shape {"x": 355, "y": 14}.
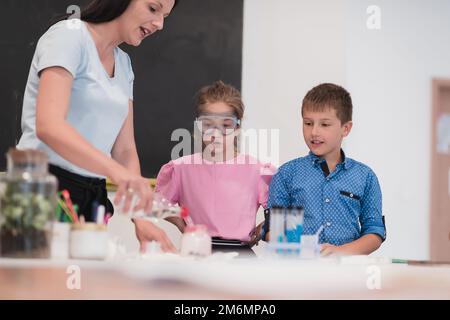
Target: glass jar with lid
{"x": 28, "y": 195}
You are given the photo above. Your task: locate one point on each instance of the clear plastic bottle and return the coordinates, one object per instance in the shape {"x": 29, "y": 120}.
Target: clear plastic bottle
{"x": 161, "y": 209}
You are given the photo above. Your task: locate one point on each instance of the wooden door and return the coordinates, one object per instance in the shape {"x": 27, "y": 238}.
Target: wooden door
{"x": 440, "y": 172}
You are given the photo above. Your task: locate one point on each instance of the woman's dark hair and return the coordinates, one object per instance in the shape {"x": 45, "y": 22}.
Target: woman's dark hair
{"x": 100, "y": 11}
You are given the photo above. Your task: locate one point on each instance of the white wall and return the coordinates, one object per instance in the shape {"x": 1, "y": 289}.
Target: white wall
{"x": 389, "y": 74}
{"x": 289, "y": 46}
{"x": 292, "y": 45}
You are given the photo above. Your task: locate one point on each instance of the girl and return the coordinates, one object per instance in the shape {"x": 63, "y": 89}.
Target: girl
{"x": 78, "y": 104}
{"x": 222, "y": 188}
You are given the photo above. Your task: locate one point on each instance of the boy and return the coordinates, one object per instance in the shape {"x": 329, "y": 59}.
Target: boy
{"x": 339, "y": 193}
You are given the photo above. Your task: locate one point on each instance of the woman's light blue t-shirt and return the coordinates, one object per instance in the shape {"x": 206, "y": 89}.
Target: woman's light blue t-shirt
{"x": 99, "y": 104}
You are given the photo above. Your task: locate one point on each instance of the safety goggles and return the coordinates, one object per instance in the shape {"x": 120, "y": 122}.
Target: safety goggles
{"x": 224, "y": 123}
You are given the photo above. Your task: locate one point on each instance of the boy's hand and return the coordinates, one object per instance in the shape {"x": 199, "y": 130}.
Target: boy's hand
{"x": 363, "y": 246}
{"x": 147, "y": 231}
{"x": 329, "y": 250}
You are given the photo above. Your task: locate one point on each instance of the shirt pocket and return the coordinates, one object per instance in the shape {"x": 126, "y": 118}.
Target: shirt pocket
{"x": 352, "y": 202}
{"x": 350, "y": 195}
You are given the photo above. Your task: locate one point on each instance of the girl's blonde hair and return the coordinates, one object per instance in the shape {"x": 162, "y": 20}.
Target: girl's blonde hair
{"x": 220, "y": 92}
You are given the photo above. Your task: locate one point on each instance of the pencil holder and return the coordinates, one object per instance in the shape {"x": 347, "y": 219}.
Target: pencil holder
{"x": 60, "y": 240}
{"x": 89, "y": 241}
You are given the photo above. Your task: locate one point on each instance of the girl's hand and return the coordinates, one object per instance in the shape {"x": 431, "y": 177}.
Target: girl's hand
{"x": 329, "y": 250}
{"x": 130, "y": 185}
{"x": 255, "y": 235}
{"x": 147, "y": 231}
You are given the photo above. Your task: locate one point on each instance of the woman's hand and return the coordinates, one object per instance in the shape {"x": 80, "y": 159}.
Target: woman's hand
{"x": 147, "y": 231}
{"x": 130, "y": 185}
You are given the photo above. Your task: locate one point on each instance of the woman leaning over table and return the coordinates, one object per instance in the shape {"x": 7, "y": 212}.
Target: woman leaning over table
{"x": 78, "y": 105}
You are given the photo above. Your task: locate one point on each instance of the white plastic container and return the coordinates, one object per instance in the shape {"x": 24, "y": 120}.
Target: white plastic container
{"x": 89, "y": 241}
{"x": 60, "y": 240}
{"x": 196, "y": 242}
{"x": 310, "y": 247}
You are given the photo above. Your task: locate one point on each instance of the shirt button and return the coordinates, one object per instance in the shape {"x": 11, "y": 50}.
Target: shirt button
{"x": 351, "y": 195}
{"x": 328, "y": 224}
{"x": 327, "y": 200}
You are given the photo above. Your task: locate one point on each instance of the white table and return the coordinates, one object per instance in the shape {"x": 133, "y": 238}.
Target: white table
{"x": 173, "y": 277}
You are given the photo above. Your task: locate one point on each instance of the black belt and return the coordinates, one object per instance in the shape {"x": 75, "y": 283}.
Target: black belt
{"x": 80, "y": 180}
{"x": 94, "y": 190}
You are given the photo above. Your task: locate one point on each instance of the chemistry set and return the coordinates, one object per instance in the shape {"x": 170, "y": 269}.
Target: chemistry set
{"x": 36, "y": 221}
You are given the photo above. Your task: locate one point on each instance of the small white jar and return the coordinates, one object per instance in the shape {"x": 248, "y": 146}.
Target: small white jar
{"x": 60, "y": 240}
{"x": 89, "y": 241}
{"x": 310, "y": 247}
{"x": 196, "y": 242}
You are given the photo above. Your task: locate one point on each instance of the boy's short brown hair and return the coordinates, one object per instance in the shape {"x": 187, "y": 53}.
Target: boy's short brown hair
{"x": 328, "y": 95}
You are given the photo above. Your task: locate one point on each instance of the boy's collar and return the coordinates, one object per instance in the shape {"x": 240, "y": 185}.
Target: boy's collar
{"x": 318, "y": 160}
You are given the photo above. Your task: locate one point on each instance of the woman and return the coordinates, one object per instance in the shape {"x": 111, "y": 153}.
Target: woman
{"x": 78, "y": 105}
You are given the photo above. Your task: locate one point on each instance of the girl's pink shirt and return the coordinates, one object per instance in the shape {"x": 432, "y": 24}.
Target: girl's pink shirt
{"x": 223, "y": 196}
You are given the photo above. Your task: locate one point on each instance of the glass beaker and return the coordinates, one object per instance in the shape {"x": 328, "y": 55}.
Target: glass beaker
{"x": 27, "y": 205}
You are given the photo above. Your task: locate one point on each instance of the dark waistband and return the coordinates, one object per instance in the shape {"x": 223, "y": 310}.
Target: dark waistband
{"x": 85, "y": 181}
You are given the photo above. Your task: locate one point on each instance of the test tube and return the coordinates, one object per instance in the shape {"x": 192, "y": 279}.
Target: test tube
{"x": 300, "y": 213}
{"x": 276, "y": 225}
{"x": 291, "y": 224}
